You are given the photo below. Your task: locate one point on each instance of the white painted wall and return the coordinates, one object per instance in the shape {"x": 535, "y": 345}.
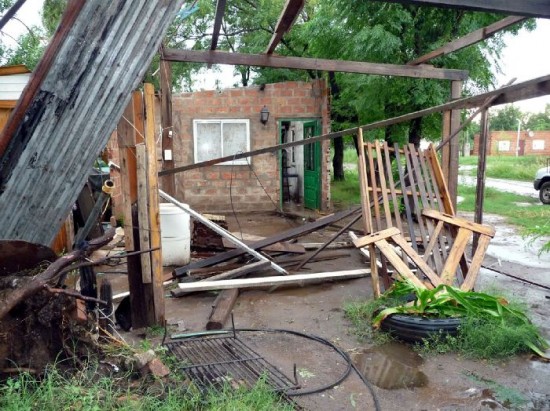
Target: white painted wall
{"x": 11, "y": 86}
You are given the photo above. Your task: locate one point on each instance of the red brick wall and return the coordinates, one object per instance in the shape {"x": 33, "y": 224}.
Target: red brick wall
{"x": 511, "y": 136}
{"x": 208, "y": 189}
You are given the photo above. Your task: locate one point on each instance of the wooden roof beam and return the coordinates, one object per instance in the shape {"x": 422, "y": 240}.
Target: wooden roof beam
{"x": 220, "y": 11}
{"x": 302, "y": 63}
{"x": 469, "y": 39}
{"x": 528, "y": 8}
{"x": 286, "y": 20}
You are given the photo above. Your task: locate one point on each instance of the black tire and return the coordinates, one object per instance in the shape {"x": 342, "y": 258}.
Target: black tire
{"x": 413, "y": 328}
{"x": 544, "y": 193}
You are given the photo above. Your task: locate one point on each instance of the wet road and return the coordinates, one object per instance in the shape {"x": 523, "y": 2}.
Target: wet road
{"x": 511, "y": 186}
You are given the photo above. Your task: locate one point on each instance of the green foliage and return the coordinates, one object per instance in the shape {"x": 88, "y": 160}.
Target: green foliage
{"x": 346, "y": 192}
{"x": 509, "y": 397}
{"x": 531, "y": 220}
{"x": 506, "y": 118}
{"x": 84, "y": 392}
{"x": 538, "y": 121}
{"x": 52, "y": 10}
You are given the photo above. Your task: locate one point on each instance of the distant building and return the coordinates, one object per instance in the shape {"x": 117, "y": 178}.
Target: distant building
{"x": 507, "y": 143}
{"x": 13, "y": 80}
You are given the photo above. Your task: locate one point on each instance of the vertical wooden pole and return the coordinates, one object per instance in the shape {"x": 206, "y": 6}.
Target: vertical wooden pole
{"x": 130, "y": 131}
{"x": 167, "y": 182}
{"x": 481, "y": 167}
{"x": 143, "y": 212}
{"x": 450, "y": 152}
{"x": 154, "y": 213}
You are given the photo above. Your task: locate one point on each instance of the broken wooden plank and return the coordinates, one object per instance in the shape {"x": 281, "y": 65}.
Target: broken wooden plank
{"x": 373, "y": 238}
{"x": 221, "y": 309}
{"x": 240, "y": 271}
{"x": 371, "y": 256}
{"x": 460, "y": 222}
{"x": 297, "y": 279}
{"x": 221, "y": 231}
{"x": 281, "y": 247}
{"x": 455, "y": 254}
{"x": 291, "y": 10}
{"x": 475, "y": 264}
{"x": 286, "y": 235}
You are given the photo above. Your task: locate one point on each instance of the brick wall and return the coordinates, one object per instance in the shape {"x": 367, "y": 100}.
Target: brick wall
{"x": 538, "y": 137}
{"x": 208, "y": 189}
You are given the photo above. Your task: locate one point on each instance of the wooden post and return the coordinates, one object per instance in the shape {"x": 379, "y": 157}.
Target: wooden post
{"x": 450, "y": 152}
{"x": 130, "y": 131}
{"x": 481, "y": 166}
{"x": 153, "y": 209}
{"x": 168, "y": 182}
{"x": 143, "y": 212}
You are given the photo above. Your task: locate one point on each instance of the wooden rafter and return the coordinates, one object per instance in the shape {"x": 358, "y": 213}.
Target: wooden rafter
{"x": 286, "y": 20}
{"x": 509, "y": 94}
{"x": 469, "y": 39}
{"x": 529, "y": 8}
{"x": 303, "y": 63}
{"x": 220, "y": 10}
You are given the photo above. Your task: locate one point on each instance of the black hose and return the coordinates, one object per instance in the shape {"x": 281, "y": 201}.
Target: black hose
{"x": 326, "y": 342}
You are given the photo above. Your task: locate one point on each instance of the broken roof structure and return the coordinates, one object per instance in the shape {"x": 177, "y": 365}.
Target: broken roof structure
{"x": 80, "y": 88}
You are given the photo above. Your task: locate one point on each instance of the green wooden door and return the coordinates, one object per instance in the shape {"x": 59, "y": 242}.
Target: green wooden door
{"x": 312, "y": 167}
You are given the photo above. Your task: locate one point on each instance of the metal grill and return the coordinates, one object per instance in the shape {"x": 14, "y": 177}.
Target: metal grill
{"x": 214, "y": 362}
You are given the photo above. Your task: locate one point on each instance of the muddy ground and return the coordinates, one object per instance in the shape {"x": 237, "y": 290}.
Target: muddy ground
{"x": 402, "y": 379}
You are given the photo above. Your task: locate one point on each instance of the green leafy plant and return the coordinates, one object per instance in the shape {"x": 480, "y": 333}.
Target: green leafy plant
{"x": 488, "y": 318}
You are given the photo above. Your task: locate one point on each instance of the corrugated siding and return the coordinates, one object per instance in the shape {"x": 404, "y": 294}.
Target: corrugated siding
{"x": 101, "y": 61}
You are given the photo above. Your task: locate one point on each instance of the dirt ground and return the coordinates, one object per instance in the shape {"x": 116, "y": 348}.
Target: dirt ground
{"x": 402, "y": 379}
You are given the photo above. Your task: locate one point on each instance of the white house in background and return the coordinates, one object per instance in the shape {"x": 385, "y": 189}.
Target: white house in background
{"x": 13, "y": 80}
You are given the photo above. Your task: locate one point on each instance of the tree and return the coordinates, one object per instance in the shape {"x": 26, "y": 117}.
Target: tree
{"x": 507, "y": 118}
{"x": 538, "y": 121}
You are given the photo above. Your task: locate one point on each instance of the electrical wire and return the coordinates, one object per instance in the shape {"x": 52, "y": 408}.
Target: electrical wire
{"x": 321, "y": 340}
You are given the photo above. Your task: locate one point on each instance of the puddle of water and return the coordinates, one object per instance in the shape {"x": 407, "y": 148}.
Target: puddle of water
{"x": 391, "y": 366}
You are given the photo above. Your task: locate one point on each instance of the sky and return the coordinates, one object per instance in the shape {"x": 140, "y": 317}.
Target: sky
{"x": 524, "y": 57}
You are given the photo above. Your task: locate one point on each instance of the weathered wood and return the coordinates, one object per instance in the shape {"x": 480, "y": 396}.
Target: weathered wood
{"x": 106, "y": 321}
{"x": 406, "y": 203}
{"x": 143, "y": 215}
{"x": 286, "y": 235}
{"x": 303, "y": 63}
{"x": 509, "y": 94}
{"x": 363, "y": 185}
{"x": 432, "y": 276}
{"x": 169, "y": 181}
{"x": 475, "y": 264}
{"x": 383, "y": 187}
{"x": 373, "y": 238}
{"x": 221, "y": 309}
{"x": 70, "y": 108}
{"x": 218, "y": 18}
{"x": 481, "y": 170}
{"x": 297, "y": 279}
{"x": 281, "y": 247}
{"x": 460, "y": 222}
{"x": 433, "y": 240}
{"x": 371, "y": 256}
{"x": 240, "y": 271}
{"x": 455, "y": 254}
{"x": 469, "y": 39}
{"x": 11, "y": 12}
{"x": 440, "y": 180}
{"x": 153, "y": 209}
{"x": 289, "y": 14}
{"x": 401, "y": 268}
{"x": 393, "y": 191}
{"x": 224, "y": 233}
{"x": 530, "y": 8}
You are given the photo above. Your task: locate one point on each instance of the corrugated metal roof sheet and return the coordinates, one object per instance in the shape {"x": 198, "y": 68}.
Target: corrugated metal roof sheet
{"x": 101, "y": 60}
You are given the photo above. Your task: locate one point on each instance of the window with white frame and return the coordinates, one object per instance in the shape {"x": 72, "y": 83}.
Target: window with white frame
{"x": 538, "y": 144}
{"x": 221, "y": 138}
{"x": 504, "y": 145}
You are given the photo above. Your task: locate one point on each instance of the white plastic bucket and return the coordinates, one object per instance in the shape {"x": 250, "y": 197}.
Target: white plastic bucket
{"x": 175, "y": 235}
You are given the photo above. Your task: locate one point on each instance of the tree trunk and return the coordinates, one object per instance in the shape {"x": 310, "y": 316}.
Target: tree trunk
{"x": 415, "y": 132}
{"x": 338, "y": 159}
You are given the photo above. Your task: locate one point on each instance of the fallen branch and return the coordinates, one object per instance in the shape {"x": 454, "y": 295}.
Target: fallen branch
{"x": 74, "y": 294}
{"x": 51, "y": 273}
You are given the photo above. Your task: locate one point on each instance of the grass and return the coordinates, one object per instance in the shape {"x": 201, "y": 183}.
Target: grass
{"x": 521, "y": 168}
{"x": 347, "y": 192}
{"x": 533, "y": 220}
{"x": 509, "y": 397}
{"x": 84, "y": 392}
{"x": 486, "y": 333}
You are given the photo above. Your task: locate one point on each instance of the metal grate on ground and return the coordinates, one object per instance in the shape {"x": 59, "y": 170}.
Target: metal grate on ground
{"x": 215, "y": 362}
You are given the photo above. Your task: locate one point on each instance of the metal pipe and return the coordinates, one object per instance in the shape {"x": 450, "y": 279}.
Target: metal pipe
{"x": 221, "y": 231}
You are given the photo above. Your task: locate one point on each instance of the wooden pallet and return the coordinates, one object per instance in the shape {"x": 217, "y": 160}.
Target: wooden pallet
{"x": 397, "y": 184}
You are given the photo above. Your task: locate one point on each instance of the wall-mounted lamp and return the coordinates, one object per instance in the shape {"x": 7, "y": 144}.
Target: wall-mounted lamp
{"x": 264, "y": 115}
